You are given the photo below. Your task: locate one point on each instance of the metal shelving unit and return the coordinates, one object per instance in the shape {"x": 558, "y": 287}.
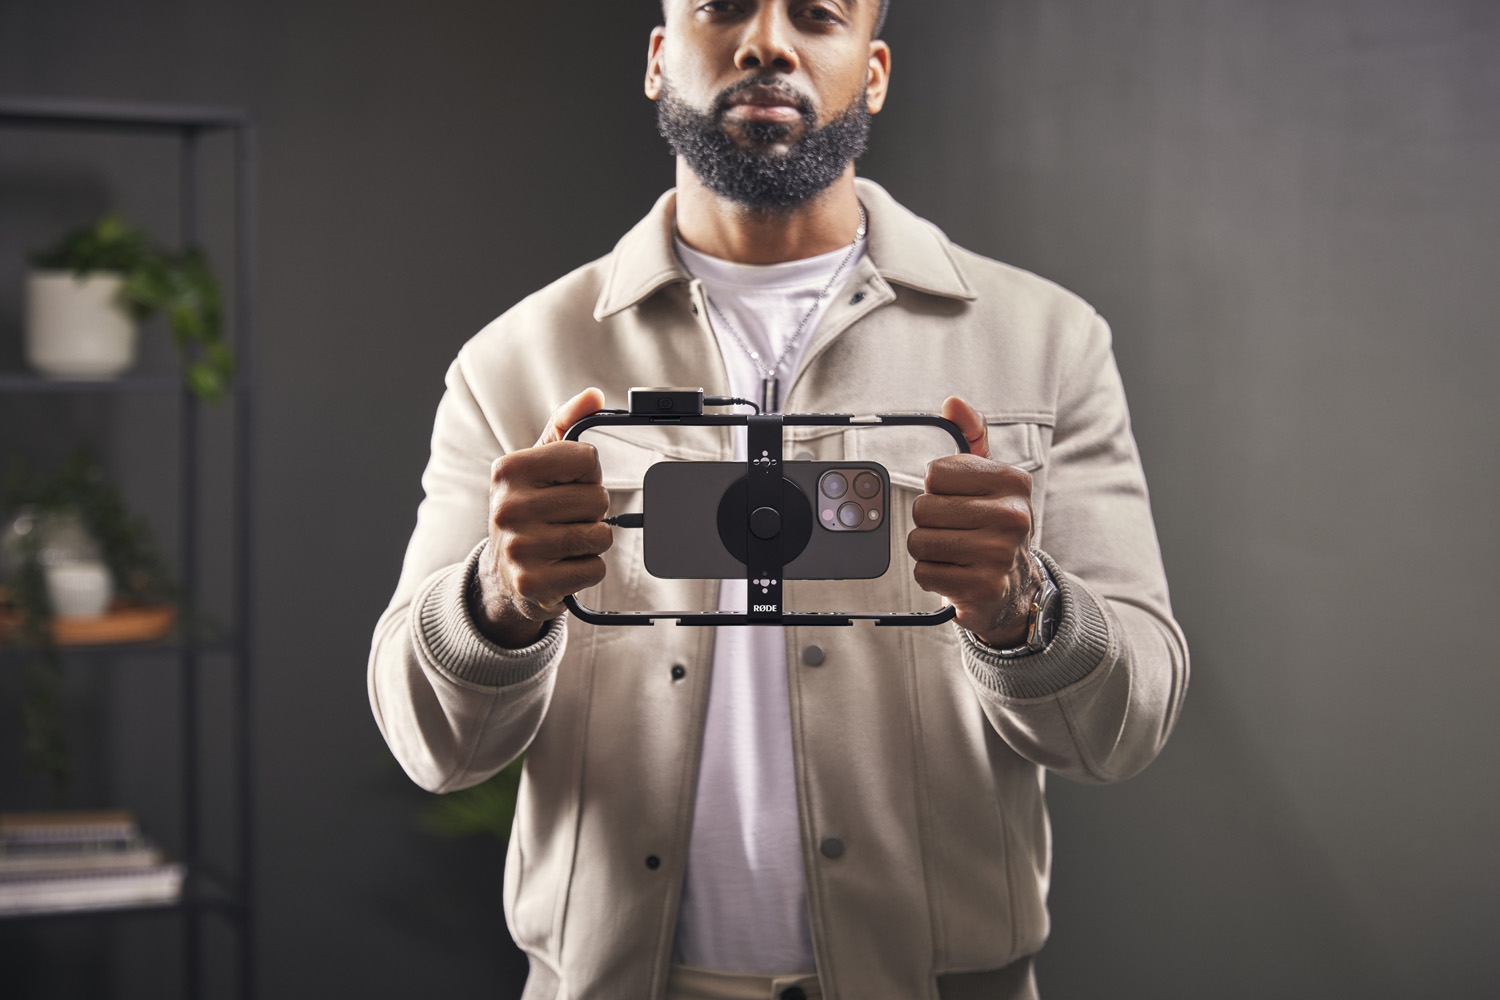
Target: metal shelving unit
{"x": 225, "y": 896}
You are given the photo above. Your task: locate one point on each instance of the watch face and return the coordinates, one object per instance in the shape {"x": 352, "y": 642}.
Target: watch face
{"x": 1051, "y": 613}
{"x": 1044, "y": 617}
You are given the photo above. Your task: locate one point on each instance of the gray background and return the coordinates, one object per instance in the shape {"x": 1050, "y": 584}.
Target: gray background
{"x": 1288, "y": 211}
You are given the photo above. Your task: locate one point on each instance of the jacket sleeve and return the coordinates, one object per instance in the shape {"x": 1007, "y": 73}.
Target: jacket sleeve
{"x": 453, "y": 706}
{"x": 1098, "y": 703}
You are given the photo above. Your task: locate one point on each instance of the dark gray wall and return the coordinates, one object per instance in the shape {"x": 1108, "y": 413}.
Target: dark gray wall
{"x": 1286, "y": 210}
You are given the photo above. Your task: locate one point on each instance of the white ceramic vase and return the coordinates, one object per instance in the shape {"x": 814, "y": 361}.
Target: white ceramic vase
{"x": 79, "y": 589}
{"x": 78, "y": 327}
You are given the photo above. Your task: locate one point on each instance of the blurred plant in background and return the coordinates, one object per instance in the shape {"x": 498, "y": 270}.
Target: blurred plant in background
{"x": 178, "y": 284}
{"x": 75, "y": 508}
{"x": 485, "y": 809}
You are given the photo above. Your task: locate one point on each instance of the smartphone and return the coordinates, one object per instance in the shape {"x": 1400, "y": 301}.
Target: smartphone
{"x": 833, "y": 515}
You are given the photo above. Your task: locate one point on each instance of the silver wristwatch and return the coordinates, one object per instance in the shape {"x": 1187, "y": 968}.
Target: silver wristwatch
{"x": 1041, "y": 622}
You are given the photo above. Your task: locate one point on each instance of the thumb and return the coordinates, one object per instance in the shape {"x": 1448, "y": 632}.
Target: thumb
{"x": 570, "y": 413}
{"x": 971, "y": 422}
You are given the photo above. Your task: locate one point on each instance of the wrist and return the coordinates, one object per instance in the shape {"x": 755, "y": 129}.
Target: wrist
{"x": 1035, "y": 628}
{"x": 497, "y": 619}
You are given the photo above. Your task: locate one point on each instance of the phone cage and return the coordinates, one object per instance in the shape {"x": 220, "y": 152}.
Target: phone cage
{"x": 765, "y": 556}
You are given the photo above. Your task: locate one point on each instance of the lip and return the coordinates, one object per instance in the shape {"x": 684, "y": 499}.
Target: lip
{"x": 764, "y": 113}
{"x": 763, "y": 104}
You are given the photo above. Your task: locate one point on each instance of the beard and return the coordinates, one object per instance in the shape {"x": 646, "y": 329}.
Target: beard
{"x": 754, "y": 176}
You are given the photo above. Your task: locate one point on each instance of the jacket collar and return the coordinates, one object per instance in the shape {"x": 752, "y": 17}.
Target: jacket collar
{"x": 905, "y": 249}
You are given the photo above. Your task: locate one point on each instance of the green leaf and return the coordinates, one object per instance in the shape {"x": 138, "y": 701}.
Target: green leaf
{"x": 180, "y": 285}
{"x": 486, "y": 809}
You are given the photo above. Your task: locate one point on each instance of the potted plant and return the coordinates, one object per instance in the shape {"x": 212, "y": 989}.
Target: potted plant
{"x": 69, "y": 520}
{"x": 87, "y": 293}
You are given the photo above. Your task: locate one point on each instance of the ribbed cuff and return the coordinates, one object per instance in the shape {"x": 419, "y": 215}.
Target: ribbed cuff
{"x": 1078, "y": 646}
{"x": 450, "y": 641}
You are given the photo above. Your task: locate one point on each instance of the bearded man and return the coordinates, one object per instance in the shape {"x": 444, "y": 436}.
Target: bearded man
{"x": 782, "y": 811}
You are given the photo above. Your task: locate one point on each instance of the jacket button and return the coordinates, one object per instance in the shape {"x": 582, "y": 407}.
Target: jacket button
{"x": 813, "y": 655}
{"x": 858, "y": 298}
{"x": 653, "y": 862}
{"x": 678, "y": 671}
{"x": 793, "y": 993}
{"x": 832, "y": 847}
{"x": 804, "y": 456}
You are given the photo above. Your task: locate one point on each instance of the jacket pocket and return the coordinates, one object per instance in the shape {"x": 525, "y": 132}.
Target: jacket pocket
{"x": 906, "y": 451}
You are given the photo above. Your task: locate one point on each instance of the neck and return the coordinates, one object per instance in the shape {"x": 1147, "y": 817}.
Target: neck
{"x": 712, "y": 224}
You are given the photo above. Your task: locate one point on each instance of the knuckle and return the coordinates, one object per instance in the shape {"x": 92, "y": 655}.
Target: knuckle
{"x": 590, "y": 572}
{"x": 525, "y": 583}
{"x": 598, "y": 502}
{"x": 513, "y": 550}
{"x": 505, "y": 511}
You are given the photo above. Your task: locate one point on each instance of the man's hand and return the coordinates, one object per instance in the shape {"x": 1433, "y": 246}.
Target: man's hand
{"x": 547, "y": 530}
{"x": 972, "y": 541}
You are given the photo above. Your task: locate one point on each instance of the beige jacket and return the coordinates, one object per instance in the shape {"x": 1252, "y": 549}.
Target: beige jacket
{"x": 920, "y": 759}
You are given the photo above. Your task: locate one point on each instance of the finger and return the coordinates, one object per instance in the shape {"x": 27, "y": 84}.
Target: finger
{"x": 960, "y": 584}
{"x": 569, "y": 413}
{"x": 931, "y": 510}
{"x": 543, "y": 587}
{"x": 973, "y": 476}
{"x": 539, "y": 551}
{"x": 983, "y": 550}
{"x": 971, "y": 422}
{"x": 550, "y": 465}
{"x": 570, "y": 503}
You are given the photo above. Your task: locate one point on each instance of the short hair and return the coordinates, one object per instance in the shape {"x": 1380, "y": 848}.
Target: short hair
{"x": 885, "y": 8}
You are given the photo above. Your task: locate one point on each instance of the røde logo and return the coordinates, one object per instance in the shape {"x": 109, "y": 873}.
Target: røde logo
{"x": 765, "y": 607}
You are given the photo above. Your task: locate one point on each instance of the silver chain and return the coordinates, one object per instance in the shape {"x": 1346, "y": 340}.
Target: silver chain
{"x": 754, "y": 356}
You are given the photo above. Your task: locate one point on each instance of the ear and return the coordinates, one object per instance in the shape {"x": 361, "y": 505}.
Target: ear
{"x": 878, "y": 75}
{"x": 653, "y": 62}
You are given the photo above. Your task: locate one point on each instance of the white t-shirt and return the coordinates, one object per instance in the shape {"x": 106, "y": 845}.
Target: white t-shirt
{"x": 744, "y": 900}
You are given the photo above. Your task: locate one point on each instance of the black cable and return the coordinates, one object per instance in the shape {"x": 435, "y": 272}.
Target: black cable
{"x": 627, "y": 520}
{"x": 728, "y": 401}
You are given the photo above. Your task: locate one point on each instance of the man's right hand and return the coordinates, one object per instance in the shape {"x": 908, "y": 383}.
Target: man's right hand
{"x": 547, "y": 530}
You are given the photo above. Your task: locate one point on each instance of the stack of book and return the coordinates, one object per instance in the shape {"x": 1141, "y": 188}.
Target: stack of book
{"x": 57, "y": 861}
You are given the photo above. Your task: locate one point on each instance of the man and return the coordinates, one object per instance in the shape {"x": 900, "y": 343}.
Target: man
{"x": 797, "y": 811}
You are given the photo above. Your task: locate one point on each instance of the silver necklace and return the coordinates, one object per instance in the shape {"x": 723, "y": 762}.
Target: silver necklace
{"x": 770, "y": 385}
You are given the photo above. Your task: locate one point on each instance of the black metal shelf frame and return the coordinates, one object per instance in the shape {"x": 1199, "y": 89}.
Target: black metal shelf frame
{"x": 186, "y": 125}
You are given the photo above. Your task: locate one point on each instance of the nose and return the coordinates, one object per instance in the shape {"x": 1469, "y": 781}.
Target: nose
{"x": 767, "y": 43}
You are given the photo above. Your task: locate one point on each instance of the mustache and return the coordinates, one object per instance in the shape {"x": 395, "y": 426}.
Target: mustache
{"x": 778, "y": 86}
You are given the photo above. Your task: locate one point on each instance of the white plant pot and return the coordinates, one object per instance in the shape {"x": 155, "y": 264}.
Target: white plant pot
{"x": 79, "y": 589}
{"x": 78, "y": 327}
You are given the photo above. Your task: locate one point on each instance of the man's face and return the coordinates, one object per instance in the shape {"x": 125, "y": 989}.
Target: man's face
{"x": 768, "y": 101}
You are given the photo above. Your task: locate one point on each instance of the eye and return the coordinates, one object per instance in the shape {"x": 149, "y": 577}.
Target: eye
{"x": 822, "y": 14}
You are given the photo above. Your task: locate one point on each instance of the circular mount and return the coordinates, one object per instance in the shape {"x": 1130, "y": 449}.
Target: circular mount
{"x": 791, "y": 525}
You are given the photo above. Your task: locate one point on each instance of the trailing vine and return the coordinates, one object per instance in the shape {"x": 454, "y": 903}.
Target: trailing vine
{"x": 79, "y": 488}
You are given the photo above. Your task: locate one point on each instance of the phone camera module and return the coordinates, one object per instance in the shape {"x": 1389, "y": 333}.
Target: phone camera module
{"x": 851, "y": 515}
{"x": 866, "y": 485}
{"x": 834, "y": 485}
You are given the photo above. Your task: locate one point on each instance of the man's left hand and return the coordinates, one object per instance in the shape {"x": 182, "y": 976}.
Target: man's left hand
{"x": 972, "y": 539}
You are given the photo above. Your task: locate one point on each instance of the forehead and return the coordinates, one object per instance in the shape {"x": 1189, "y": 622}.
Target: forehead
{"x": 859, "y": 10}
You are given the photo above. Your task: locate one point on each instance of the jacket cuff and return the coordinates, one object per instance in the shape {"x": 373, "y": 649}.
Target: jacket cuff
{"x": 1078, "y": 646}
{"x": 451, "y": 641}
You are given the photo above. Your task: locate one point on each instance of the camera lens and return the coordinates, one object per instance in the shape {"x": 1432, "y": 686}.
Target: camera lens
{"x": 851, "y": 515}
{"x": 866, "y": 484}
{"x": 834, "y": 485}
